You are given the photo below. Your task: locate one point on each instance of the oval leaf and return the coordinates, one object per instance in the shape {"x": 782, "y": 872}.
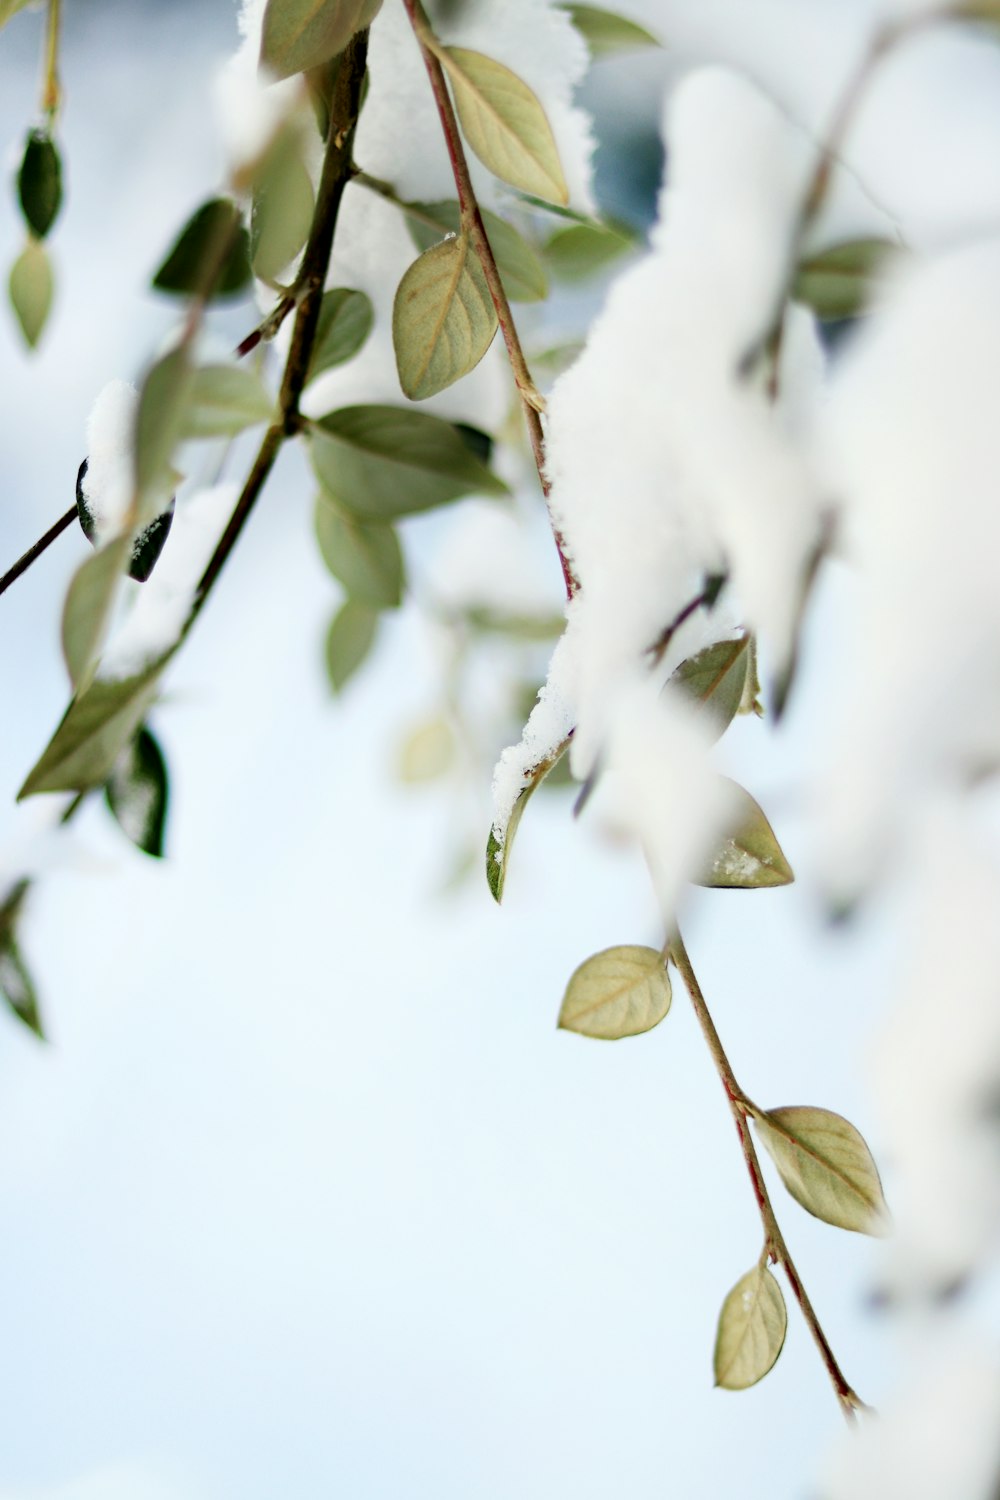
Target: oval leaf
{"x": 751, "y": 858}
{"x": 31, "y": 286}
{"x": 97, "y": 725}
{"x": 163, "y": 403}
{"x": 349, "y": 640}
{"x": 443, "y": 318}
{"x": 364, "y": 556}
{"x": 137, "y": 793}
{"x": 717, "y": 678}
{"x": 282, "y": 208}
{"x": 582, "y": 250}
{"x": 224, "y": 400}
{"x": 89, "y": 605}
{"x": 345, "y": 321}
{"x": 521, "y": 270}
{"x": 427, "y": 751}
{"x": 498, "y": 845}
{"x": 9, "y": 8}
{"x": 300, "y": 34}
{"x": 385, "y": 461}
{"x": 39, "y": 183}
{"x": 751, "y": 1331}
{"x": 504, "y": 124}
{"x": 826, "y": 1166}
{"x": 839, "y": 282}
{"x": 188, "y": 266}
{"x": 620, "y": 992}
{"x": 16, "y": 985}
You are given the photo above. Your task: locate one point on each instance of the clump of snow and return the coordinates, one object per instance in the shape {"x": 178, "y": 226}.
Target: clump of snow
{"x": 162, "y": 604}
{"x": 109, "y": 484}
{"x": 250, "y": 109}
{"x": 939, "y": 1439}
{"x": 912, "y": 447}
{"x": 937, "y": 1064}
{"x": 666, "y": 463}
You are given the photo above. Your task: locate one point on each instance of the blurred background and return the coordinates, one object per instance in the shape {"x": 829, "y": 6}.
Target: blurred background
{"x": 306, "y": 1194}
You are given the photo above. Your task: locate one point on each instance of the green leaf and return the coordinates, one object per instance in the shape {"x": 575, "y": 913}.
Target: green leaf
{"x": 16, "y": 985}
{"x": 605, "y": 32}
{"x": 620, "y": 992}
{"x": 427, "y": 751}
{"x": 345, "y": 321}
{"x": 145, "y": 547}
{"x": 94, "y": 729}
{"x": 300, "y": 34}
{"x": 282, "y": 208}
{"x": 504, "y": 124}
{"x": 349, "y": 640}
{"x": 838, "y": 283}
{"x": 39, "y": 183}
{"x": 582, "y": 250}
{"x": 224, "y": 400}
{"x": 90, "y": 602}
{"x": 521, "y": 270}
{"x": 443, "y": 318}
{"x": 381, "y": 462}
{"x": 498, "y": 846}
{"x": 751, "y": 1331}
{"x": 137, "y": 793}
{"x": 189, "y": 263}
{"x": 751, "y": 858}
{"x": 31, "y": 287}
{"x": 160, "y": 423}
{"x": 717, "y": 678}
{"x": 10, "y": 8}
{"x": 364, "y": 556}
{"x": 826, "y": 1166}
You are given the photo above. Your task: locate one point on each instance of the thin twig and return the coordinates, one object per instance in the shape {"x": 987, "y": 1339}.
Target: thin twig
{"x": 51, "y": 88}
{"x": 472, "y": 222}
{"x": 26, "y": 559}
{"x": 742, "y": 1107}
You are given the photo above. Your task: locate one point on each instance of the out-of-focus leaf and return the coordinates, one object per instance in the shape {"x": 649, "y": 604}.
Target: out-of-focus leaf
{"x": 751, "y": 858}
{"x": 365, "y": 556}
{"x": 39, "y": 183}
{"x": 498, "y": 845}
{"x": 349, "y": 640}
{"x": 427, "y": 751}
{"x": 137, "y": 793}
{"x": 93, "y": 731}
{"x": 617, "y": 993}
{"x": 301, "y": 34}
{"x": 521, "y": 270}
{"x": 89, "y": 605}
{"x": 282, "y": 208}
{"x": 345, "y": 321}
{"x": 582, "y": 250}
{"x": 716, "y": 678}
{"x": 381, "y": 462}
{"x": 443, "y": 318}
{"x": 504, "y": 124}
{"x": 16, "y": 985}
{"x": 826, "y": 1166}
{"x": 163, "y": 406}
{"x": 751, "y": 1331}
{"x": 31, "y": 287}
{"x": 224, "y": 400}
{"x": 838, "y": 282}
{"x": 190, "y": 260}
{"x": 9, "y": 8}
{"x": 607, "y": 33}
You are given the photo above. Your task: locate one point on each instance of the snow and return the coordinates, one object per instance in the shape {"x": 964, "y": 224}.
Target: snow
{"x": 250, "y": 110}
{"x": 162, "y": 604}
{"x": 109, "y": 483}
{"x": 912, "y": 448}
{"x": 666, "y": 464}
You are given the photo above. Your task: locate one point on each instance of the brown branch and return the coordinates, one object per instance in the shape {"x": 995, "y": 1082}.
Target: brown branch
{"x": 472, "y": 222}
{"x": 774, "y": 1241}
{"x": 34, "y": 552}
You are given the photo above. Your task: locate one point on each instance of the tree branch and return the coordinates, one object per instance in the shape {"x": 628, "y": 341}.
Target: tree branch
{"x": 532, "y": 402}
{"x": 774, "y": 1241}
{"x": 34, "y": 552}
